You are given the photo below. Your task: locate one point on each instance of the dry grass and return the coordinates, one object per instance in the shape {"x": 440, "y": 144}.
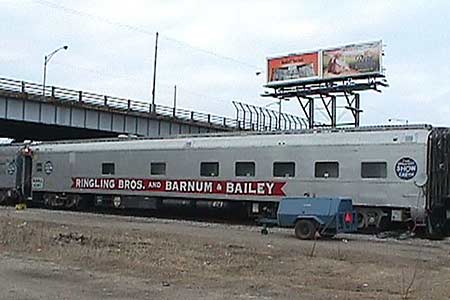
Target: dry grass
{"x": 150, "y": 255}
{"x": 214, "y": 263}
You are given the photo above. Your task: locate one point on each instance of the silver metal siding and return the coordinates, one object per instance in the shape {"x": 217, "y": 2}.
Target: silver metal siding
{"x": 133, "y": 159}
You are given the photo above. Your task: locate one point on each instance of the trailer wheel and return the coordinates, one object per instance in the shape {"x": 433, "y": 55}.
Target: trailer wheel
{"x": 305, "y": 229}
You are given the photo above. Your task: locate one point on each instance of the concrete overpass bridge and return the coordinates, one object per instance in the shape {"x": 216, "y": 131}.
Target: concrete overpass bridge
{"x": 29, "y": 112}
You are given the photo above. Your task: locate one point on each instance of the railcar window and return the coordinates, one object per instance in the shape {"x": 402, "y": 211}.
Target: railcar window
{"x": 326, "y": 169}
{"x": 158, "y": 168}
{"x": 283, "y": 169}
{"x": 373, "y": 170}
{"x": 209, "y": 169}
{"x": 245, "y": 168}
{"x": 108, "y": 169}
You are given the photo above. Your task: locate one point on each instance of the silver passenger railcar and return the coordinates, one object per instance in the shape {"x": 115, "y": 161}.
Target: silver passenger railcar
{"x": 393, "y": 174}
{"x": 389, "y": 172}
{"x": 10, "y": 172}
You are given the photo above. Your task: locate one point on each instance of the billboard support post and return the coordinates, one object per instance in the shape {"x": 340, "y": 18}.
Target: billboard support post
{"x": 358, "y": 110}
{"x": 279, "y": 114}
{"x": 333, "y": 111}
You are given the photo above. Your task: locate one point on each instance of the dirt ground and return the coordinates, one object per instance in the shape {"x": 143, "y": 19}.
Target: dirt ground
{"x": 67, "y": 255}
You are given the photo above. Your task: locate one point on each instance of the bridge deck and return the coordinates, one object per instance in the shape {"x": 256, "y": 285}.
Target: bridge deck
{"x": 28, "y": 111}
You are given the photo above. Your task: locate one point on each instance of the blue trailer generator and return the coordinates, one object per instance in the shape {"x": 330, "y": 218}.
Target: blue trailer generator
{"x": 311, "y": 217}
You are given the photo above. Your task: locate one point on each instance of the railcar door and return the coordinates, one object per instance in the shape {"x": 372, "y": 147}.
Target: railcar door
{"x": 438, "y": 187}
{"x": 24, "y": 166}
{"x": 27, "y": 173}
{"x": 19, "y": 172}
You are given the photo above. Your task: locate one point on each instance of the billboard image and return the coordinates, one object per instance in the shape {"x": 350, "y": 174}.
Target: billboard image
{"x": 293, "y": 68}
{"x": 352, "y": 60}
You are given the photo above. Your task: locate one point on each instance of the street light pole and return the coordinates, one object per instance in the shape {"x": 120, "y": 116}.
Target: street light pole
{"x": 46, "y": 61}
{"x": 45, "y": 76}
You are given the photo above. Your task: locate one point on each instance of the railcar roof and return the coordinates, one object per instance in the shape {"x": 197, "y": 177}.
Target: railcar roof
{"x": 250, "y": 133}
{"x": 342, "y": 136}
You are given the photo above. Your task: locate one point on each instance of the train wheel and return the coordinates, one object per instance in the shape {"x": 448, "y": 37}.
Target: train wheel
{"x": 46, "y": 200}
{"x": 51, "y": 201}
{"x": 72, "y": 201}
{"x": 305, "y": 229}
{"x": 361, "y": 220}
{"x": 3, "y": 198}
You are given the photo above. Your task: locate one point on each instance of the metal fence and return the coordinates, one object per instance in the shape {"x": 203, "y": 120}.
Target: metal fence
{"x": 126, "y": 105}
{"x": 260, "y": 118}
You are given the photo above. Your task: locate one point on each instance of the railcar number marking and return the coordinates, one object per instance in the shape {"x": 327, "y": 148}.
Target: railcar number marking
{"x": 406, "y": 168}
{"x": 257, "y": 188}
{"x": 37, "y": 182}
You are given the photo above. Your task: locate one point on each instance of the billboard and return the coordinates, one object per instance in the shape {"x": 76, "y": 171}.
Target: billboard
{"x": 293, "y": 68}
{"x": 357, "y": 60}
{"x": 352, "y": 60}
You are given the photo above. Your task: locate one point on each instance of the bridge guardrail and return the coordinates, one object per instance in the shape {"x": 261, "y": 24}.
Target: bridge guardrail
{"x": 69, "y": 95}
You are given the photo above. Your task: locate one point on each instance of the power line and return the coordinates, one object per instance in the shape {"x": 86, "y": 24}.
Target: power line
{"x": 144, "y": 31}
{"x": 92, "y": 16}
{"x": 201, "y": 95}
{"x": 220, "y": 56}
{"x": 98, "y": 72}
{"x": 141, "y": 30}
{"x": 166, "y": 85}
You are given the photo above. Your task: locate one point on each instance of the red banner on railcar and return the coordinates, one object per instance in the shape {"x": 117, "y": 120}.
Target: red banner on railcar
{"x": 251, "y": 188}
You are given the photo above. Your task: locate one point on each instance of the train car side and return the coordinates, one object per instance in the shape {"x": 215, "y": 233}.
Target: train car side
{"x": 253, "y": 170}
{"x": 393, "y": 174}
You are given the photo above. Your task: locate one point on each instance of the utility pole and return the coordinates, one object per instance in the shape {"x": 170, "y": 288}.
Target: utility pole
{"x": 174, "y": 96}
{"x": 175, "y": 100}
{"x": 154, "y": 73}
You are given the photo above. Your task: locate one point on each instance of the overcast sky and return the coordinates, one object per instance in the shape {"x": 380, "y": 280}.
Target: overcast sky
{"x": 212, "y": 49}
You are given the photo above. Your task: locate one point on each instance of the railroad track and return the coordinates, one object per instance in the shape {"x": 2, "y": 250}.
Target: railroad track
{"x": 172, "y": 214}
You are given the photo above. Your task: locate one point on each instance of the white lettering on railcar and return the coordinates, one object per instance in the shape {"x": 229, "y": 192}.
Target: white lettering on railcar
{"x": 257, "y": 188}
{"x": 153, "y": 185}
{"x": 270, "y": 186}
{"x": 250, "y": 188}
{"x": 95, "y": 183}
{"x": 406, "y": 168}
{"x": 183, "y": 186}
{"x": 37, "y": 182}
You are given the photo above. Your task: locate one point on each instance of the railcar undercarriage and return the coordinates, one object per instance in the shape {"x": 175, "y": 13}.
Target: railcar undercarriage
{"x": 369, "y": 219}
